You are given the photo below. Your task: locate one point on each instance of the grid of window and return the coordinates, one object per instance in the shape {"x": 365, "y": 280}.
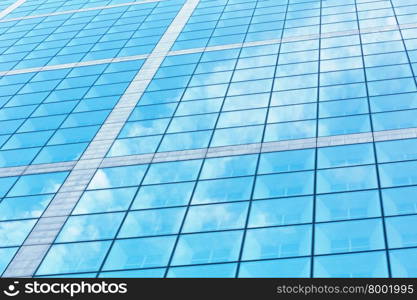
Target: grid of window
{"x": 22, "y": 201}
{"x": 39, "y": 7}
{"x": 5, "y": 4}
{"x": 216, "y": 217}
{"x": 340, "y": 211}
{"x": 51, "y": 116}
{"x": 228, "y": 21}
{"x": 275, "y": 92}
{"x": 84, "y": 36}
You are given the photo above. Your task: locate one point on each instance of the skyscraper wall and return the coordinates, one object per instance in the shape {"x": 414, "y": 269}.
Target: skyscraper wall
{"x": 208, "y": 138}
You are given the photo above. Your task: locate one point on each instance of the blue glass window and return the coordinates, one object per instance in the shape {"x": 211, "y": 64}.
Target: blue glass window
{"x": 6, "y": 254}
{"x": 105, "y": 200}
{"x": 288, "y": 241}
{"x": 394, "y": 120}
{"x": 199, "y": 106}
{"x": 241, "y": 118}
{"x": 153, "y": 196}
{"x": 73, "y": 135}
{"x": 117, "y": 177}
{"x": 173, "y": 171}
{"x": 400, "y": 262}
{"x": 18, "y": 157}
{"x": 90, "y": 227}
{"x": 31, "y": 139}
{"x": 60, "y": 153}
{"x": 280, "y": 268}
{"x": 346, "y": 179}
{"x": 399, "y": 201}
{"x": 23, "y": 207}
{"x": 139, "y": 253}
{"x": 13, "y": 233}
{"x": 344, "y": 125}
{"x": 371, "y": 264}
{"x": 292, "y": 113}
{"x": 207, "y": 248}
{"x": 280, "y": 185}
{"x": 185, "y": 141}
{"x": 401, "y": 231}
{"x": 286, "y": 161}
{"x": 397, "y": 174}
{"x": 204, "y": 271}
{"x": 74, "y": 257}
{"x": 343, "y": 107}
{"x": 344, "y": 206}
{"x": 152, "y": 112}
{"x": 131, "y": 146}
{"x": 216, "y": 217}
{"x": 5, "y": 184}
{"x": 147, "y": 273}
{"x": 290, "y": 131}
{"x": 228, "y": 166}
{"x": 223, "y": 190}
{"x": 152, "y": 222}
{"x": 38, "y": 184}
{"x": 349, "y": 236}
{"x": 342, "y": 156}
{"x": 397, "y": 150}
{"x": 237, "y": 136}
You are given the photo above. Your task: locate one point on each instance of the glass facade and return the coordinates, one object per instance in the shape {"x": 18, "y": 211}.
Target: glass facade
{"x": 274, "y": 138}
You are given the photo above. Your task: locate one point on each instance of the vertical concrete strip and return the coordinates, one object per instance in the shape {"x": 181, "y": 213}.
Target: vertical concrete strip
{"x": 30, "y": 255}
{"x": 11, "y": 8}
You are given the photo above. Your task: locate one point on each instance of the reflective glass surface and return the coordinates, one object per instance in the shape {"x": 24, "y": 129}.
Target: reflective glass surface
{"x": 275, "y": 139}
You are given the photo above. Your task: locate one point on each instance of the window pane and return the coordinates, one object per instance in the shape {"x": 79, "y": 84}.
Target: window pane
{"x": 279, "y": 185}
{"x": 71, "y": 258}
{"x": 223, "y": 190}
{"x": 38, "y": 184}
{"x": 228, "y": 166}
{"x": 172, "y": 194}
{"x": 6, "y": 254}
{"x": 346, "y": 179}
{"x": 23, "y": 207}
{"x": 13, "y": 233}
{"x": 147, "y": 273}
{"x": 117, "y": 177}
{"x": 152, "y": 222}
{"x": 340, "y": 156}
{"x": 91, "y": 227}
{"x": 348, "y": 236}
{"x": 282, "y": 211}
{"x": 371, "y": 264}
{"x": 216, "y": 217}
{"x": 396, "y": 150}
{"x": 277, "y": 242}
{"x": 280, "y": 268}
{"x": 403, "y": 263}
{"x": 173, "y": 171}
{"x": 139, "y": 253}
{"x": 344, "y": 206}
{"x": 207, "y": 248}
{"x": 286, "y": 161}
{"x": 205, "y": 271}
{"x": 402, "y": 231}
{"x": 397, "y": 174}
{"x": 5, "y": 184}
{"x": 399, "y": 201}
{"x": 104, "y": 200}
